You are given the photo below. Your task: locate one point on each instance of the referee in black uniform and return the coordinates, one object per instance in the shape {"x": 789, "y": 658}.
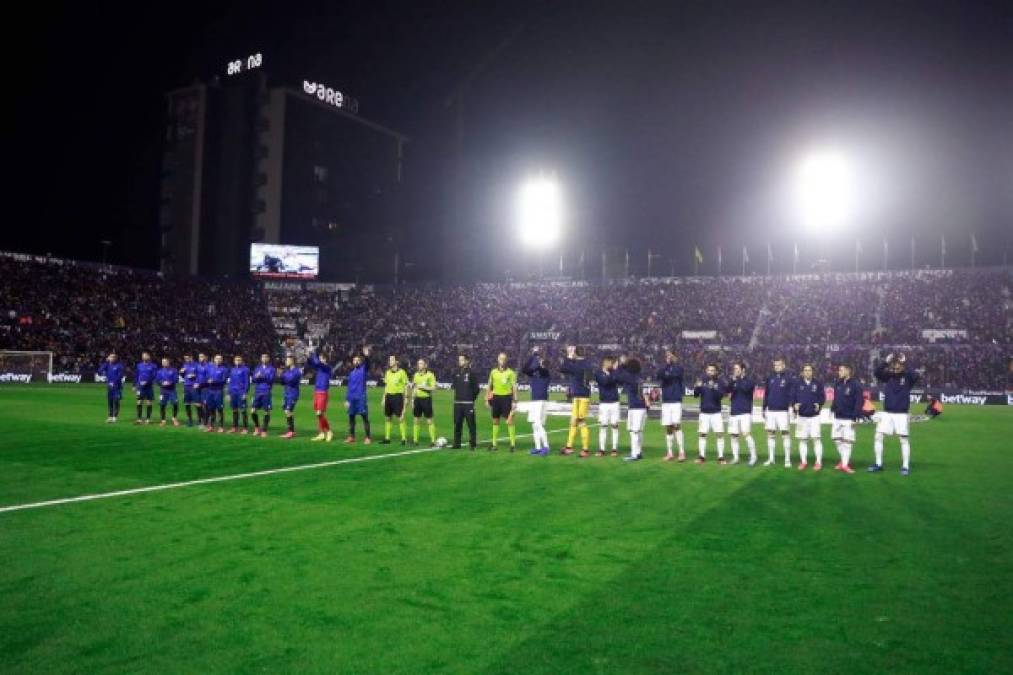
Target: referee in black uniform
{"x": 465, "y": 393}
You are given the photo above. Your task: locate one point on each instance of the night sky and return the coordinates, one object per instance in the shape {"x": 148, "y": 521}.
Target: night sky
{"x": 669, "y": 124}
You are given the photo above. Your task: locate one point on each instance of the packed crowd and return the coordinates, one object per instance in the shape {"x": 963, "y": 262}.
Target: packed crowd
{"x": 80, "y": 312}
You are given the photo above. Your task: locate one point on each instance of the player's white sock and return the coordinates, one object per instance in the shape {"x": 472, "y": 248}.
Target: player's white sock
{"x": 803, "y": 451}
{"x": 634, "y": 443}
{"x": 771, "y": 448}
{"x": 615, "y": 437}
{"x": 787, "y": 449}
{"x": 669, "y": 437}
{"x": 877, "y": 446}
{"x": 735, "y": 448}
{"x": 680, "y": 440}
{"x": 702, "y": 447}
{"x": 602, "y": 435}
{"x": 818, "y": 450}
{"x": 845, "y": 450}
{"x": 721, "y": 446}
{"x": 751, "y": 444}
{"x": 905, "y": 452}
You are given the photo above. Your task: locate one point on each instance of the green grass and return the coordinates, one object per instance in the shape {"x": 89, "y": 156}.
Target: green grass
{"x": 464, "y": 562}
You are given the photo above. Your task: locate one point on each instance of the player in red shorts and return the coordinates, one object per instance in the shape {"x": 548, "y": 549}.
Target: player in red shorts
{"x": 321, "y": 383}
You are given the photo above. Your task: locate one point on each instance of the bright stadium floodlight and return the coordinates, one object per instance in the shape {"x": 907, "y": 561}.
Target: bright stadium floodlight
{"x": 540, "y": 212}
{"x": 824, "y": 190}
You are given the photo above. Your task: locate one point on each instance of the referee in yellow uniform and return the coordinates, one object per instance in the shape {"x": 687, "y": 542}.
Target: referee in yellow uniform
{"x": 501, "y": 399}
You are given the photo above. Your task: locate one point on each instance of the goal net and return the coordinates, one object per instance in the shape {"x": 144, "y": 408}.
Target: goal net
{"x": 25, "y": 367}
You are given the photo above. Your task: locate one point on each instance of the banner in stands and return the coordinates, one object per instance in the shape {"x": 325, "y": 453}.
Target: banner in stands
{"x": 944, "y": 334}
{"x": 544, "y": 335}
{"x": 700, "y": 334}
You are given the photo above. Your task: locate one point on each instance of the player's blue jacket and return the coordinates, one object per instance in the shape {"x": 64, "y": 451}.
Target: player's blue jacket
{"x": 896, "y": 388}
{"x": 741, "y": 391}
{"x": 710, "y": 394}
{"x": 809, "y": 397}
{"x": 189, "y": 372}
{"x": 144, "y": 373}
{"x": 632, "y": 387}
{"x": 216, "y": 376}
{"x": 170, "y": 375}
{"x": 202, "y": 373}
{"x": 263, "y": 378}
{"x": 672, "y": 387}
{"x": 579, "y": 371}
{"x": 239, "y": 380}
{"x": 322, "y": 379}
{"x": 777, "y": 392}
{"x": 113, "y": 373}
{"x": 847, "y": 403}
{"x": 357, "y": 380}
{"x": 291, "y": 378}
{"x": 539, "y": 378}
{"x": 608, "y": 386}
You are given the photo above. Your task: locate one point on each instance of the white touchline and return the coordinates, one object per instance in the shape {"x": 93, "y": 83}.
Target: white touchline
{"x": 236, "y": 476}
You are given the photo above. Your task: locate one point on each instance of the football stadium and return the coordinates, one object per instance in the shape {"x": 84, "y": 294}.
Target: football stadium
{"x": 557, "y": 338}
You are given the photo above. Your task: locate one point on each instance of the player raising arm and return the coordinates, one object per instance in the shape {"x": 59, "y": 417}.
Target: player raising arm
{"x": 537, "y": 368}
{"x": 501, "y": 400}
{"x": 846, "y": 408}
{"x": 321, "y": 386}
{"x": 579, "y": 370}
{"x": 808, "y": 396}
{"x": 898, "y": 379}
{"x": 356, "y": 401}
{"x": 113, "y": 371}
{"x": 423, "y": 386}
{"x": 608, "y": 405}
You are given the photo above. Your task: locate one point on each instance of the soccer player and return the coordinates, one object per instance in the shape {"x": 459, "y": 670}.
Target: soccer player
{"x": 579, "y": 370}
{"x": 898, "y": 379}
{"x": 202, "y": 391}
{"x": 321, "y": 385}
{"x": 740, "y": 420}
{"x": 501, "y": 399}
{"x": 290, "y": 378}
{"x": 423, "y": 386}
{"x": 395, "y": 382}
{"x": 263, "y": 379}
{"x": 608, "y": 405}
{"x": 214, "y": 404}
{"x": 239, "y": 388}
{"x": 628, "y": 374}
{"x": 808, "y": 396}
{"x": 356, "y": 401}
{"x": 672, "y": 390}
{"x": 167, "y": 377}
{"x": 144, "y": 378}
{"x": 776, "y": 400}
{"x": 466, "y": 389}
{"x": 710, "y": 391}
{"x": 112, "y": 369}
{"x": 537, "y": 369}
{"x": 846, "y": 408}
{"x": 191, "y": 394}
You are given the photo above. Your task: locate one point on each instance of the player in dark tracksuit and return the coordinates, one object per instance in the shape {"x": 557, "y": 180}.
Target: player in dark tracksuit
{"x": 466, "y": 388}
{"x": 808, "y": 397}
{"x": 776, "y": 401}
{"x": 846, "y": 408}
{"x": 710, "y": 391}
{"x": 113, "y": 371}
{"x": 740, "y": 417}
{"x": 628, "y": 374}
{"x": 897, "y": 379}
{"x": 537, "y": 370}
{"x": 672, "y": 390}
{"x": 608, "y": 405}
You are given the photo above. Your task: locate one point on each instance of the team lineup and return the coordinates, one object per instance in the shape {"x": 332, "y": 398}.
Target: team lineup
{"x": 787, "y": 400}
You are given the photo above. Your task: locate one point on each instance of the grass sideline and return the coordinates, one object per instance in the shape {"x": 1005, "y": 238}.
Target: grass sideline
{"x": 454, "y": 561}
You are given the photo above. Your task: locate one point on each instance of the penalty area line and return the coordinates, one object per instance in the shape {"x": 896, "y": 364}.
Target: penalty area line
{"x": 231, "y": 477}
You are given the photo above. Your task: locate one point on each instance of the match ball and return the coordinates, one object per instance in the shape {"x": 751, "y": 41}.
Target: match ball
{"x": 441, "y": 442}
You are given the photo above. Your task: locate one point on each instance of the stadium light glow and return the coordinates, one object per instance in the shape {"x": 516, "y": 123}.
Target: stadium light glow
{"x": 540, "y": 212}
{"x": 824, "y": 190}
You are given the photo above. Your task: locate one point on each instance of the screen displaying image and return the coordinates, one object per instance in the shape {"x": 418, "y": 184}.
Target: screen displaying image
{"x": 284, "y": 262}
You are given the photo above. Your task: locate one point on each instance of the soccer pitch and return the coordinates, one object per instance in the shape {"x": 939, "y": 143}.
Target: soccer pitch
{"x": 461, "y": 562}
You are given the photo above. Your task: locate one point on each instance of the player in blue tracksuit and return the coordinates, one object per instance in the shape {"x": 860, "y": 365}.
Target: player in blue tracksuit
{"x": 608, "y": 405}
{"x": 144, "y": 385}
{"x": 217, "y": 375}
{"x": 579, "y": 370}
{"x": 710, "y": 390}
{"x": 356, "y": 401}
{"x": 201, "y": 387}
{"x": 672, "y": 390}
{"x": 321, "y": 384}
{"x": 263, "y": 380}
{"x": 167, "y": 377}
{"x": 537, "y": 370}
{"x": 629, "y": 376}
{"x": 740, "y": 417}
{"x": 897, "y": 379}
{"x": 846, "y": 408}
{"x": 113, "y": 371}
{"x": 777, "y": 393}
{"x": 290, "y": 378}
{"x": 191, "y": 395}
{"x": 808, "y": 397}
{"x": 239, "y": 388}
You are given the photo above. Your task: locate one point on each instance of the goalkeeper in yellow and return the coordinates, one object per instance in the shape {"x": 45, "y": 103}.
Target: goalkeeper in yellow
{"x": 502, "y": 399}
{"x": 395, "y": 382}
{"x": 423, "y": 386}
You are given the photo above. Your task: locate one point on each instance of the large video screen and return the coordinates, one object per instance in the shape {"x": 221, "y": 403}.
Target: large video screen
{"x": 284, "y": 262}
